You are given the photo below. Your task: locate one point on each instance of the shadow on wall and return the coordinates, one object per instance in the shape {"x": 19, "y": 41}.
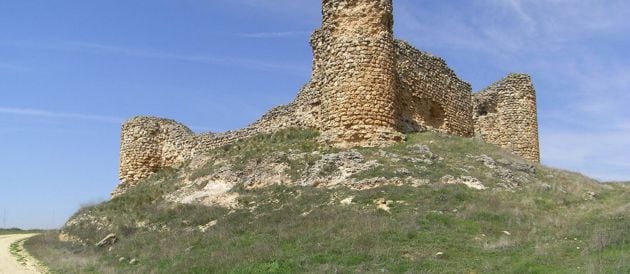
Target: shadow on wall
{"x": 421, "y": 114}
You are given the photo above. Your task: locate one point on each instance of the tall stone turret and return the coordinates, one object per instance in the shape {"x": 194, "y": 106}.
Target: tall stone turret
{"x": 355, "y": 61}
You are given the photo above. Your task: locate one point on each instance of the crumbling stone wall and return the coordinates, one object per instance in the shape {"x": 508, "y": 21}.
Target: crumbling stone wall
{"x": 366, "y": 89}
{"x": 431, "y": 94}
{"x": 151, "y": 143}
{"x": 505, "y": 115}
{"x": 148, "y": 144}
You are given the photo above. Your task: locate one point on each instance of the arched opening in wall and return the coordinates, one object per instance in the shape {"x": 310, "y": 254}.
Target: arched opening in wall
{"x": 421, "y": 113}
{"x": 435, "y": 116}
{"x": 430, "y": 113}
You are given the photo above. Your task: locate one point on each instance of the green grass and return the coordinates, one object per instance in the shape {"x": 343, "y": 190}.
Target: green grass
{"x": 275, "y": 146}
{"x": 288, "y": 229}
{"x": 16, "y": 250}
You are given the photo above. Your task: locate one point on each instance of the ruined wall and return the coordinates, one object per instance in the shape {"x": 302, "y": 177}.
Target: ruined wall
{"x": 151, "y": 143}
{"x": 431, "y": 95}
{"x": 354, "y": 50}
{"x": 505, "y": 115}
{"x": 148, "y": 144}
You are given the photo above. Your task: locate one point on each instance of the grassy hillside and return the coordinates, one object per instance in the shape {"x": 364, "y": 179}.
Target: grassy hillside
{"x": 407, "y": 210}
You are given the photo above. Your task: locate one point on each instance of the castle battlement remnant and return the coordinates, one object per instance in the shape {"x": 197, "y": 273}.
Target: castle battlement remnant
{"x": 505, "y": 115}
{"x": 366, "y": 89}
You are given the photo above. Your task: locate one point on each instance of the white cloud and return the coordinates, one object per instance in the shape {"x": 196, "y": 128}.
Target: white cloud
{"x": 98, "y": 48}
{"x": 516, "y": 7}
{"x": 604, "y": 155}
{"x": 148, "y": 53}
{"x": 508, "y": 26}
{"x": 586, "y": 123}
{"x": 58, "y": 115}
{"x": 581, "y": 77}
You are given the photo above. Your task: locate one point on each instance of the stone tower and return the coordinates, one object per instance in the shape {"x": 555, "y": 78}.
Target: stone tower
{"x": 149, "y": 144}
{"x": 505, "y": 115}
{"x": 355, "y": 58}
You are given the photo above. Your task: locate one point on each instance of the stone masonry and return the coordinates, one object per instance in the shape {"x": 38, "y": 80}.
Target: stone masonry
{"x": 430, "y": 94}
{"x": 505, "y": 115}
{"x": 149, "y": 144}
{"x": 355, "y": 47}
{"x": 366, "y": 89}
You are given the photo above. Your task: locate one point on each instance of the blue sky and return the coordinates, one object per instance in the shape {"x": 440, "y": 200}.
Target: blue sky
{"x": 71, "y": 71}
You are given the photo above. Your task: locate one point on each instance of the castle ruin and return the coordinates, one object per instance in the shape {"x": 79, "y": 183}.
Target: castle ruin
{"x": 366, "y": 89}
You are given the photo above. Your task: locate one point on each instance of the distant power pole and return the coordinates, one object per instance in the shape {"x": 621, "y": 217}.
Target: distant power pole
{"x": 4, "y": 218}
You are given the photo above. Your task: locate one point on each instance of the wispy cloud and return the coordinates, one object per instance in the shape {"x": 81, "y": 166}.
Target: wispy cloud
{"x": 274, "y": 35}
{"x": 575, "y": 51}
{"x": 59, "y": 115}
{"x": 149, "y": 53}
{"x": 46, "y": 114}
{"x": 509, "y": 26}
{"x": 602, "y": 154}
{"x": 516, "y": 8}
{"x": 100, "y": 48}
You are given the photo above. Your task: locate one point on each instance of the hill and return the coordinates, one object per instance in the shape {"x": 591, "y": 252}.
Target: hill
{"x": 284, "y": 203}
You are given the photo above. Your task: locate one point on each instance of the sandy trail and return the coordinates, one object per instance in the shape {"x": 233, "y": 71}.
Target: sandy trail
{"x": 8, "y": 262}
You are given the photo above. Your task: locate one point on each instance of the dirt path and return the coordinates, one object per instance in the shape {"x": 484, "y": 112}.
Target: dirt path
{"x": 8, "y": 262}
